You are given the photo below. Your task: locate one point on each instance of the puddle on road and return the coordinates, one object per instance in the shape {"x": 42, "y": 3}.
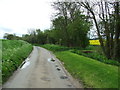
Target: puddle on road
{"x": 56, "y": 65}
{"x": 51, "y": 60}
{"x": 27, "y": 63}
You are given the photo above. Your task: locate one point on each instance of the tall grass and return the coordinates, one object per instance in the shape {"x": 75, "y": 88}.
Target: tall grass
{"x": 13, "y": 53}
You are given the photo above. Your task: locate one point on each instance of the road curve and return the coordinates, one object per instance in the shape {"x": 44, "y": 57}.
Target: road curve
{"x": 40, "y": 71}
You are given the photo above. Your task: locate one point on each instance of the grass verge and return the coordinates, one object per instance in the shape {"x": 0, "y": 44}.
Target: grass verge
{"x": 55, "y": 48}
{"x": 92, "y": 73}
{"x": 95, "y": 55}
{"x": 13, "y": 54}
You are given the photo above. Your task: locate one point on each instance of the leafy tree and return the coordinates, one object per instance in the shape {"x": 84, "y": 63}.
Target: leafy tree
{"x": 11, "y": 36}
{"x": 78, "y": 30}
{"x": 108, "y": 14}
{"x": 70, "y": 24}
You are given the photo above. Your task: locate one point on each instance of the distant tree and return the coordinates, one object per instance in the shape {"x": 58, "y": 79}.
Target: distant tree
{"x": 11, "y": 36}
{"x": 35, "y": 37}
{"x": 41, "y": 39}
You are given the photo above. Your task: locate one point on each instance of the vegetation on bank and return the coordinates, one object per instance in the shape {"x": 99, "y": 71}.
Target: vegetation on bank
{"x": 74, "y": 23}
{"x": 73, "y": 26}
{"x": 95, "y": 55}
{"x": 54, "y": 48}
{"x": 93, "y": 52}
{"x": 13, "y": 54}
{"x": 92, "y": 72}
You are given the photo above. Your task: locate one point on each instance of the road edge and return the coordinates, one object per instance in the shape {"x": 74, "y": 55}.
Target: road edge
{"x": 77, "y": 83}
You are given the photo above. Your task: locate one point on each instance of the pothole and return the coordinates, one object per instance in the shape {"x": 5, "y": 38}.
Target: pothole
{"x": 45, "y": 79}
{"x": 53, "y": 60}
{"x": 56, "y": 65}
{"x": 69, "y": 85}
{"x": 58, "y": 69}
{"x": 63, "y": 77}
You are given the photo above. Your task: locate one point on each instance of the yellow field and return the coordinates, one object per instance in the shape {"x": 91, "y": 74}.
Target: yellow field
{"x": 94, "y": 42}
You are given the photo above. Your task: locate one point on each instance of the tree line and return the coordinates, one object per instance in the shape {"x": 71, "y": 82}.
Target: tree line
{"x": 69, "y": 27}
{"x": 73, "y": 20}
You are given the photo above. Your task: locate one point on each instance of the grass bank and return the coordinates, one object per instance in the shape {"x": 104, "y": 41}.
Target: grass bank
{"x": 91, "y": 72}
{"x": 94, "y": 54}
{"x": 55, "y": 48}
{"x": 13, "y": 54}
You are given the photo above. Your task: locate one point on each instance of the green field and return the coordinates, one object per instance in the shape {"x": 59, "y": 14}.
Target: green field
{"x": 13, "y": 54}
{"x": 91, "y": 72}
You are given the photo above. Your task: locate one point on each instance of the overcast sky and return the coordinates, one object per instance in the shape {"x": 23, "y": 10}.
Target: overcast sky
{"x": 18, "y": 16}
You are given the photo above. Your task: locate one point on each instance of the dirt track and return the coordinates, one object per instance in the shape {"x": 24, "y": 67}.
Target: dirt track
{"x": 41, "y": 70}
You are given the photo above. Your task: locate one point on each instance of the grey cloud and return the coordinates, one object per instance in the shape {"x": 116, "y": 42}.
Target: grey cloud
{"x": 5, "y": 29}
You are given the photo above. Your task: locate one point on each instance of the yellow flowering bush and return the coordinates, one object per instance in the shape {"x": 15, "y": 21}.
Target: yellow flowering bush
{"x": 94, "y": 42}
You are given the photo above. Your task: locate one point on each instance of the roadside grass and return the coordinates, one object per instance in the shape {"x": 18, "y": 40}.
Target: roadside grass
{"x": 13, "y": 54}
{"x": 93, "y": 52}
{"x": 95, "y": 55}
{"x": 92, "y": 73}
{"x": 54, "y": 48}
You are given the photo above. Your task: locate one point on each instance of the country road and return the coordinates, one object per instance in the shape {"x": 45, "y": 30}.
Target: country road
{"x": 41, "y": 70}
